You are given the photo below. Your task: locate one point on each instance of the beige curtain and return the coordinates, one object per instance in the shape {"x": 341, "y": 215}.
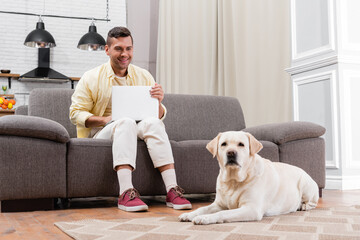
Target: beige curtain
{"x": 236, "y": 48}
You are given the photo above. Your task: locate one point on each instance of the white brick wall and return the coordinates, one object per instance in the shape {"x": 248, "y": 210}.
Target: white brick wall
{"x": 65, "y": 58}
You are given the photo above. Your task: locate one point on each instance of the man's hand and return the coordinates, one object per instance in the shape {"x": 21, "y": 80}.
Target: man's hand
{"x": 96, "y": 121}
{"x": 157, "y": 92}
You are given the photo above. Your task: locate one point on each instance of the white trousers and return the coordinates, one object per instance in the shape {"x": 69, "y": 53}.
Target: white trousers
{"x": 125, "y": 132}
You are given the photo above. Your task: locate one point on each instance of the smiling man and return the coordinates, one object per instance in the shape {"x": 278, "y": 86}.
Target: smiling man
{"x": 90, "y": 111}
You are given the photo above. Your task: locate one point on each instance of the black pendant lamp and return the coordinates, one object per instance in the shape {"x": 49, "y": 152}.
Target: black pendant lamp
{"x": 92, "y": 41}
{"x": 40, "y": 38}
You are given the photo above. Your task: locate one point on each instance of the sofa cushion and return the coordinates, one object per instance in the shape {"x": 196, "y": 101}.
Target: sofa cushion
{"x": 52, "y": 104}
{"x": 199, "y": 117}
{"x": 90, "y": 170}
{"x": 35, "y": 127}
{"x": 207, "y": 115}
{"x": 196, "y": 169}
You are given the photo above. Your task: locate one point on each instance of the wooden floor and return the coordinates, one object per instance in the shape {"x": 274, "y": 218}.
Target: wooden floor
{"x": 40, "y": 224}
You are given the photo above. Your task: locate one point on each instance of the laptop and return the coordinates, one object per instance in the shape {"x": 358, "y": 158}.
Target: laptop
{"x": 133, "y": 102}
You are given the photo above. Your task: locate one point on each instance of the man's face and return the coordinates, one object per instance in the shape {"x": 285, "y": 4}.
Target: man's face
{"x": 120, "y": 52}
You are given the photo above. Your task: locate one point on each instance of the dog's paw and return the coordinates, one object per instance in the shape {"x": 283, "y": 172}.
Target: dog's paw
{"x": 186, "y": 217}
{"x": 307, "y": 206}
{"x": 205, "y": 219}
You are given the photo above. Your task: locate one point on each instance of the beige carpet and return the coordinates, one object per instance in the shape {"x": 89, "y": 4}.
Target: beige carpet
{"x": 340, "y": 223}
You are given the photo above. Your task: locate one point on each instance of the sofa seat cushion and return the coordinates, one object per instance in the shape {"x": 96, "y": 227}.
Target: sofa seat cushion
{"x": 35, "y": 127}
{"x": 196, "y": 169}
{"x": 90, "y": 170}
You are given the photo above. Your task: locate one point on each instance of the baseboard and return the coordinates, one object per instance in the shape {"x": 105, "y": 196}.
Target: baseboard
{"x": 342, "y": 182}
{"x": 24, "y": 205}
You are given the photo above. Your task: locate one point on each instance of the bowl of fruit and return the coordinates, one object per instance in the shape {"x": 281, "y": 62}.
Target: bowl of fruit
{"x": 7, "y": 103}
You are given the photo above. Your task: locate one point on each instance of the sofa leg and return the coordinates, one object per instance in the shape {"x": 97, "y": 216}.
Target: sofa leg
{"x": 63, "y": 203}
{"x": 24, "y": 205}
{"x": 320, "y": 192}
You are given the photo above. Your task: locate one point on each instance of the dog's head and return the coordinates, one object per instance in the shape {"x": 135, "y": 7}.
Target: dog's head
{"x": 234, "y": 151}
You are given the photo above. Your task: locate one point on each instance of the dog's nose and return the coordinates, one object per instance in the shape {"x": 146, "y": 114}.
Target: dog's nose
{"x": 231, "y": 158}
{"x": 231, "y": 154}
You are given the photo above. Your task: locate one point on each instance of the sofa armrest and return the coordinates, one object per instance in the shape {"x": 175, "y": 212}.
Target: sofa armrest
{"x": 280, "y": 133}
{"x": 36, "y": 127}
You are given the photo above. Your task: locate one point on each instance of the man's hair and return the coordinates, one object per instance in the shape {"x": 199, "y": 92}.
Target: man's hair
{"x": 117, "y": 32}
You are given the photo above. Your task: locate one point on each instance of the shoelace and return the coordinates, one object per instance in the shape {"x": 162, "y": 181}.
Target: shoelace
{"x": 133, "y": 193}
{"x": 179, "y": 191}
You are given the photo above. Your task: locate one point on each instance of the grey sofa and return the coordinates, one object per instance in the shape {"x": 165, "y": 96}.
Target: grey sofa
{"x": 43, "y": 160}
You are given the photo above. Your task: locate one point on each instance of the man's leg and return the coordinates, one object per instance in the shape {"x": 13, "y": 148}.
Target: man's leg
{"x": 152, "y": 131}
{"x": 124, "y": 173}
{"x": 123, "y": 133}
{"x": 168, "y": 175}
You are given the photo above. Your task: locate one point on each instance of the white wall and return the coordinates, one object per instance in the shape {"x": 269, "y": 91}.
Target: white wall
{"x": 142, "y": 19}
{"x": 65, "y": 58}
{"x": 326, "y": 81}
{"x": 312, "y": 24}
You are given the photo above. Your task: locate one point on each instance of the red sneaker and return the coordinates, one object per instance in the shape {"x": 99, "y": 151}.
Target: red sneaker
{"x": 175, "y": 199}
{"x": 129, "y": 201}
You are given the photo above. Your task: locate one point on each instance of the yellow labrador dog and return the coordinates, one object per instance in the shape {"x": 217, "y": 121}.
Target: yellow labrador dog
{"x": 249, "y": 187}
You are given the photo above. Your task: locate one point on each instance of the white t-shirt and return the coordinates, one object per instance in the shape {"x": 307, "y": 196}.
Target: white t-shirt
{"x": 117, "y": 81}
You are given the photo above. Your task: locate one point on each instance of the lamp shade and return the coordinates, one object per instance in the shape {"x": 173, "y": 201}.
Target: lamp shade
{"x": 40, "y": 38}
{"x": 92, "y": 41}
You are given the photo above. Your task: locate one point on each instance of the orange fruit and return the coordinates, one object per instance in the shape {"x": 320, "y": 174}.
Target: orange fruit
{"x": 12, "y": 101}
{"x": 4, "y": 106}
{"x": 6, "y": 102}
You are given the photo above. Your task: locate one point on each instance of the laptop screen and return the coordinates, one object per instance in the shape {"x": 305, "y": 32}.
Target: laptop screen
{"x": 134, "y": 102}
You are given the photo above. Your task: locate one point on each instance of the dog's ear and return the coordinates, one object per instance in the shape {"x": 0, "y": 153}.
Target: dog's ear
{"x": 212, "y": 146}
{"x": 254, "y": 145}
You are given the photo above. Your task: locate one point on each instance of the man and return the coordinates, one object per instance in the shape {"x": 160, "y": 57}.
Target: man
{"x": 91, "y": 111}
